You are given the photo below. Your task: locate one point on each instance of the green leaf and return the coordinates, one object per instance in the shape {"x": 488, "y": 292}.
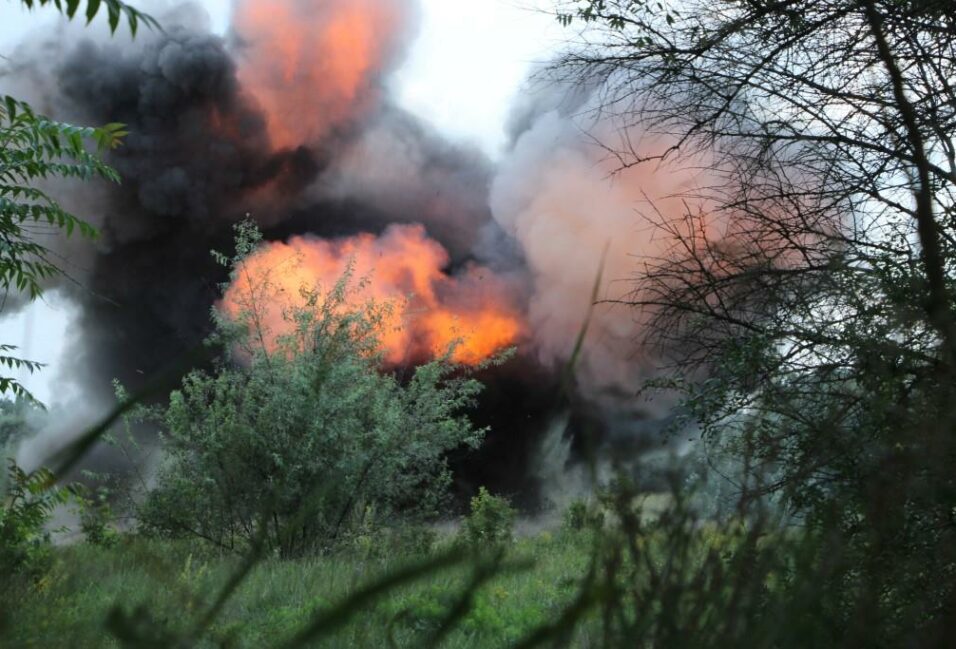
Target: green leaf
{"x": 113, "y": 13}
{"x": 11, "y": 104}
{"x": 92, "y": 7}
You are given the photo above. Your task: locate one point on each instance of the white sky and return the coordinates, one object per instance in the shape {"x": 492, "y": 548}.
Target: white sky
{"x": 461, "y": 75}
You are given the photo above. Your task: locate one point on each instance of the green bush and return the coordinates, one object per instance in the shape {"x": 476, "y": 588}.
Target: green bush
{"x": 491, "y": 521}
{"x": 25, "y": 546}
{"x": 580, "y": 515}
{"x": 400, "y": 540}
{"x": 306, "y": 440}
{"x": 96, "y": 517}
{"x": 413, "y": 540}
{"x": 576, "y": 515}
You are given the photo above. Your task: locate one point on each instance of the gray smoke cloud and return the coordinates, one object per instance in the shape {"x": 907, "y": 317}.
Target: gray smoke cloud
{"x": 570, "y": 205}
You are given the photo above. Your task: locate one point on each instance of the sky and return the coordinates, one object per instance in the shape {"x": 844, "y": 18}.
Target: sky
{"x": 462, "y": 75}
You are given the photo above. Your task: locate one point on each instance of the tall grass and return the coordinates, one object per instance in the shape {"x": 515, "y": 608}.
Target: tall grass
{"x": 165, "y": 587}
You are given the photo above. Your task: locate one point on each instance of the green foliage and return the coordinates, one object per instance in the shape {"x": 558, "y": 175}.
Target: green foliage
{"x": 672, "y": 579}
{"x": 96, "y": 517}
{"x": 581, "y": 515}
{"x": 575, "y": 516}
{"x": 35, "y": 149}
{"x": 490, "y": 522}
{"x": 116, "y": 10}
{"x": 28, "y": 504}
{"x": 404, "y": 539}
{"x": 15, "y": 422}
{"x": 173, "y": 582}
{"x": 306, "y": 440}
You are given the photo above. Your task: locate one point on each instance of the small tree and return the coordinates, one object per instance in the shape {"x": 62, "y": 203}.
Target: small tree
{"x": 808, "y": 305}
{"x": 96, "y": 516}
{"x": 491, "y": 521}
{"x": 289, "y": 439}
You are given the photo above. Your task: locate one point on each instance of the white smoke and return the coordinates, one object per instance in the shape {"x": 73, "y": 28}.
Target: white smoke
{"x": 566, "y": 200}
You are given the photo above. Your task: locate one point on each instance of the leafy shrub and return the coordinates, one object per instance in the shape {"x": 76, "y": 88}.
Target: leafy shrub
{"x": 290, "y": 439}
{"x": 401, "y": 540}
{"x": 17, "y": 422}
{"x": 579, "y": 515}
{"x": 25, "y": 546}
{"x": 96, "y": 516}
{"x": 415, "y": 539}
{"x": 491, "y": 521}
{"x": 576, "y": 515}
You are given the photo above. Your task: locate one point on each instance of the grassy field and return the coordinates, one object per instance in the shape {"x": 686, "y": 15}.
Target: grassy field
{"x": 175, "y": 583}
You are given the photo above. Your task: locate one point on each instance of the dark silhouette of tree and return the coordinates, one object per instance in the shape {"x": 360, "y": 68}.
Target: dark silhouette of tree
{"x": 806, "y": 296}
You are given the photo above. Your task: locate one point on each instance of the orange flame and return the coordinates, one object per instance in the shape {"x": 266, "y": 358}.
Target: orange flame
{"x": 473, "y": 308}
{"x": 312, "y": 65}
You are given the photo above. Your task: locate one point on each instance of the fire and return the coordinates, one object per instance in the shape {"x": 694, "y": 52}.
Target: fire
{"x": 313, "y": 65}
{"x": 404, "y": 268}
{"x": 486, "y": 333}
